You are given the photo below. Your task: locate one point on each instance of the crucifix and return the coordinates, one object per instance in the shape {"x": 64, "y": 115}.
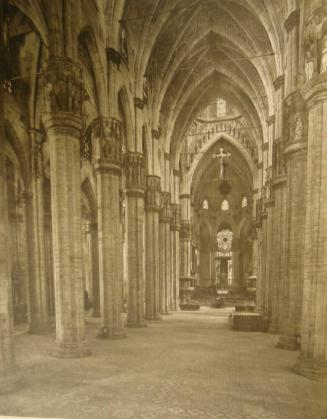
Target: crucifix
{"x": 221, "y": 155}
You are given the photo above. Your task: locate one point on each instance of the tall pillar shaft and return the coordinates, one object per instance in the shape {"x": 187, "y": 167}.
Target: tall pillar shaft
{"x": 185, "y": 249}
{"x": 95, "y": 270}
{"x": 135, "y": 182}
{"x": 175, "y": 256}
{"x": 236, "y": 269}
{"x": 313, "y": 357}
{"x": 165, "y": 257}
{"x": 296, "y": 161}
{"x": 152, "y": 268}
{"x": 108, "y": 146}
{"x": 278, "y": 250}
{"x": 62, "y": 120}
{"x": 36, "y": 241}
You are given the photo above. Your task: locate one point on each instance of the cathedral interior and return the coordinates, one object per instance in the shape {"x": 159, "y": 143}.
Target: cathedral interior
{"x": 163, "y": 208}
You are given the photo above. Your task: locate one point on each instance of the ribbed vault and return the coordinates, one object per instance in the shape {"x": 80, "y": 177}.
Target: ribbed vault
{"x": 197, "y": 51}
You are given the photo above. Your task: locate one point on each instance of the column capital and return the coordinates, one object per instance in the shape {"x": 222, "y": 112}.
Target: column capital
{"x": 134, "y": 165}
{"x": 63, "y": 123}
{"x": 153, "y": 193}
{"x": 185, "y": 230}
{"x": 185, "y": 196}
{"x": 292, "y": 20}
{"x": 176, "y": 172}
{"x": 166, "y": 209}
{"x": 106, "y": 133}
{"x": 175, "y": 222}
{"x": 63, "y": 89}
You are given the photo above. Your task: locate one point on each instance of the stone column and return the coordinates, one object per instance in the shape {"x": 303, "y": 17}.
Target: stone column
{"x": 9, "y": 376}
{"x": 185, "y": 236}
{"x": 236, "y": 269}
{"x": 165, "y": 253}
{"x": 278, "y": 250}
{"x": 63, "y": 124}
{"x": 36, "y": 240}
{"x": 175, "y": 227}
{"x": 108, "y": 160}
{"x": 95, "y": 269}
{"x": 135, "y": 184}
{"x": 313, "y": 356}
{"x": 296, "y": 161}
{"x": 152, "y": 208}
{"x": 258, "y": 234}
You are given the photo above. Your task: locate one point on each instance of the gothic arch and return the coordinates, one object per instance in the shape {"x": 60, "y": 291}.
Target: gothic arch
{"x": 190, "y": 175}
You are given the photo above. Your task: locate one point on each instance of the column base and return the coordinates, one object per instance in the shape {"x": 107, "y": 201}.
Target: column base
{"x": 136, "y": 324}
{"x": 289, "y": 343}
{"x": 70, "y": 350}
{"x": 107, "y": 333}
{"x": 10, "y": 381}
{"x": 310, "y": 368}
{"x": 153, "y": 317}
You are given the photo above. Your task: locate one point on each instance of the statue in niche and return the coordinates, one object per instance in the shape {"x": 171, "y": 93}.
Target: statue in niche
{"x": 298, "y": 132}
{"x": 310, "y": 55}
{"x": 323, "y": 65}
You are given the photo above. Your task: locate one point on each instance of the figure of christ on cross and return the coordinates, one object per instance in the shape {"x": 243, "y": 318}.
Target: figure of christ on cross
{"x": 221, "y": 155}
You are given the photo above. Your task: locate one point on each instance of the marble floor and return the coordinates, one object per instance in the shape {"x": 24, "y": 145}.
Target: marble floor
{"x": 189, "y": 365}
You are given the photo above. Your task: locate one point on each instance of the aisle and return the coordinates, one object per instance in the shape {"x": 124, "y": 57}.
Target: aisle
{"x": 190, "y": 365}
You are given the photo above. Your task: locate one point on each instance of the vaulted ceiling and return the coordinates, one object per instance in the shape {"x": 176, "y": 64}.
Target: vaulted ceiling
{"x": 193, "y": 52}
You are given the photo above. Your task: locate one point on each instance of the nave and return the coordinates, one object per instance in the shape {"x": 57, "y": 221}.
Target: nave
{"x": 158, "y": 156}
{"x": 190, "y": 365}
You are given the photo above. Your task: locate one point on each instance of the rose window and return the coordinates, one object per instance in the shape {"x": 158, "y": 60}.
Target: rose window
{"x": 224, "y": 240}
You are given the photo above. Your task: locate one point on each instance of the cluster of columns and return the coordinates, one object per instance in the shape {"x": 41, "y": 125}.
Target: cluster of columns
{"x": 9, "y": 376}
{"x": 292, "y": 292}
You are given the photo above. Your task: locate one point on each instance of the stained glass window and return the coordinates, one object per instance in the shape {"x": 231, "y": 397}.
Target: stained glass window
{"x": 225, "y": 205}
{"x": 205, "y": 204}
{"x": 244, "y": 201}
{"x": 224, "y": 240}
{"x": 221, "y": 107}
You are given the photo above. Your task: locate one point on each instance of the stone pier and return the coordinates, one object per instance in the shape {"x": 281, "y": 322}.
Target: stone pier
{"x": 152, "y": 208}
{"x": 108, "y": 161}
{"x": 135, "y": 184}
{"x": 63, "y": 124}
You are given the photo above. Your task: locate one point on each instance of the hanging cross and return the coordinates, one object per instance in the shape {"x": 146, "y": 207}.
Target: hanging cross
{"x": 221, "y": 155}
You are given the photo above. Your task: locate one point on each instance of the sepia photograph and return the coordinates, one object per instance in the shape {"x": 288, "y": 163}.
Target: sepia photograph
{"x": 163, "y": 209}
